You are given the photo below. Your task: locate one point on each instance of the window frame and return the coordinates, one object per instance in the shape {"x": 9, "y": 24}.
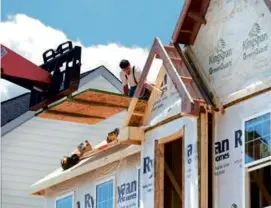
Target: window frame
{"x": 253, "y": 116}
{"x": 246, "y": 167}
{"x": 101, "y": 181}
{"x": 71, "y": 193}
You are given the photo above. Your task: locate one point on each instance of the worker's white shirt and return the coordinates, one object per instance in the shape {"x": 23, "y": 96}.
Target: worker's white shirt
{"x": 130, "y": 77}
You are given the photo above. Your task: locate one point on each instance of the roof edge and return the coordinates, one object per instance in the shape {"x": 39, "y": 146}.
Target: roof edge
{"x": 189, "y": 22}
{"x": 16, "y": 97}
{"x": 41, "y": 185}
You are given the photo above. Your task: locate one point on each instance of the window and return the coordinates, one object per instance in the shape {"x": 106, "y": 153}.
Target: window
{"x": 65, "y": 201}
{"x": 258, "y": 138}
{"x": 104, "y": 195}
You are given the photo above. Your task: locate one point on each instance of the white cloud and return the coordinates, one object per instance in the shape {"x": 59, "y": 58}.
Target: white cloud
{"x": 30, "y": 38}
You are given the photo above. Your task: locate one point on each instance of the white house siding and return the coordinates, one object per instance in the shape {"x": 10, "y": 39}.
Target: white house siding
{"x": 34, "y": 149}
{"x": 234, "y": 47}
{"x": 84, "y": 186}
{"x": 99, "y": 83}
{"x": 229, "y": 172}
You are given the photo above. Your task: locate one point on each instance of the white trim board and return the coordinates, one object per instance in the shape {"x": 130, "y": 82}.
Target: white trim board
{"x": 85, "y": 167}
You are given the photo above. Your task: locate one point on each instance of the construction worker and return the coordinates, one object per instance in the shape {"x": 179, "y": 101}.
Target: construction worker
{"x": 130, "y": 77}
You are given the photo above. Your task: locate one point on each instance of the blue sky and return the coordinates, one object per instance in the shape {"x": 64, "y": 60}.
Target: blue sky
{"x": 103, "y": 21}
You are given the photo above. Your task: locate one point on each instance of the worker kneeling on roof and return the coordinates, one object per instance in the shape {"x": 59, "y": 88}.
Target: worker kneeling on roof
{"x": 130, "y": 77}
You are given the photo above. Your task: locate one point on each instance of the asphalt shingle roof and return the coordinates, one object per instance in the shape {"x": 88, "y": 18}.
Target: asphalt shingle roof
{"x": 14, "y": 107}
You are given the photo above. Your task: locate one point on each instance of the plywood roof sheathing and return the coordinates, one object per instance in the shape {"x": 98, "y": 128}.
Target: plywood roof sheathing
{"x": 90, "y": 107}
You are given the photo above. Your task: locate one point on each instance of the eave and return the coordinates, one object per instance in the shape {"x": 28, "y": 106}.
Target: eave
{"x": 190, "y": 20}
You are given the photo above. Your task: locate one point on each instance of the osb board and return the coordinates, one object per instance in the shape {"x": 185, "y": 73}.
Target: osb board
{"x": 135, "y": 121}
{"x": 94, "y": 106}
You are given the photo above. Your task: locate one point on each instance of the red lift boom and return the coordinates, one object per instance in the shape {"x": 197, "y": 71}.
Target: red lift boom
{"x": 57, "y": 77}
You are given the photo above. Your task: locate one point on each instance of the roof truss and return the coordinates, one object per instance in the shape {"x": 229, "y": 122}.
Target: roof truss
{"x": 174, "y": 66}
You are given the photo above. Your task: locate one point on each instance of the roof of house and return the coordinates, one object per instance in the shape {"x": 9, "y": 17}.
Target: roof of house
{"x": 20, "y": 104}
{"x": 113, "y": 153}
{"x": 14, "y": 107}
{"x": 90, "y": 107}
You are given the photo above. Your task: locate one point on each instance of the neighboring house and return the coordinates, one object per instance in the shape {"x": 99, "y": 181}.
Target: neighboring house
{"x": 33, "y": 146}
{"x": 205, "y": 141}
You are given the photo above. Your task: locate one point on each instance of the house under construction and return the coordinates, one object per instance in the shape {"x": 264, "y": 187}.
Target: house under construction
{"x": 202, "y": 139}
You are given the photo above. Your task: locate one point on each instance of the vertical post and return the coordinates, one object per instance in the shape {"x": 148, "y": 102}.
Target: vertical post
{"x": 247, "y": 188}
{"x": 203, "y": 160}
{"x": 159, "y": 175}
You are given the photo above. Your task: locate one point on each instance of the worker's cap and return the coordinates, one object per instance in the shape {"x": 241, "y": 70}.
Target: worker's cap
{"x": 124, "y": 64}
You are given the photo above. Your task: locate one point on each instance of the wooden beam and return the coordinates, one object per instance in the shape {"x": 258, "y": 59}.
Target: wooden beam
{"x": 138, "y": 114}
{"x": 131, "y": 135}
{"x": 173, "y": 181}
{"x": 247, "y": 189}
{"x": 203, "y": 160}
{"x": 159, "y": 175}
{"x": 94, "y": 103}
{"x": 133, "y": 142}
{"x": 155, "y": 93}
{"x": 130, "y": 111}
{"x": 197, "y": 17}
{"x": 78, "y": 115}
{"x": 146, "y": 69}
{"x": 186, "y": 31}
{"x": 172, "y": 137}
{"x": 141, "y": 82}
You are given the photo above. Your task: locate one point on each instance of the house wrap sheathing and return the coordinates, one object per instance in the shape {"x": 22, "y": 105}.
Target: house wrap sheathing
{"x": 204, "y": 137}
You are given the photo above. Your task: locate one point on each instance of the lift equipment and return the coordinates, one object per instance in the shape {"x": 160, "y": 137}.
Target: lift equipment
{"x": 56, "y": 78}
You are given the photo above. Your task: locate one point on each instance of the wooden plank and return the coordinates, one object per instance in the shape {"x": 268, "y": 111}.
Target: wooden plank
{"x": 154, "y": 94}
{"x": 130, "y": 111}
{"x": 173, "y": 181}
{"x": 247, "y": 188}
{"x": 137, "y": 114}
{"x": 132, "y": 142}
{"x": 203, "y": 160}
{"x": 196, "y": 17}
{"x": 186, "y": 79}
{"x": 171, "y": 138}
{"x": 159, "y": 175}
{"x": 146, "y": 69}
{"x": 130, "y": 134}
{"x": 186, "y": 31}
